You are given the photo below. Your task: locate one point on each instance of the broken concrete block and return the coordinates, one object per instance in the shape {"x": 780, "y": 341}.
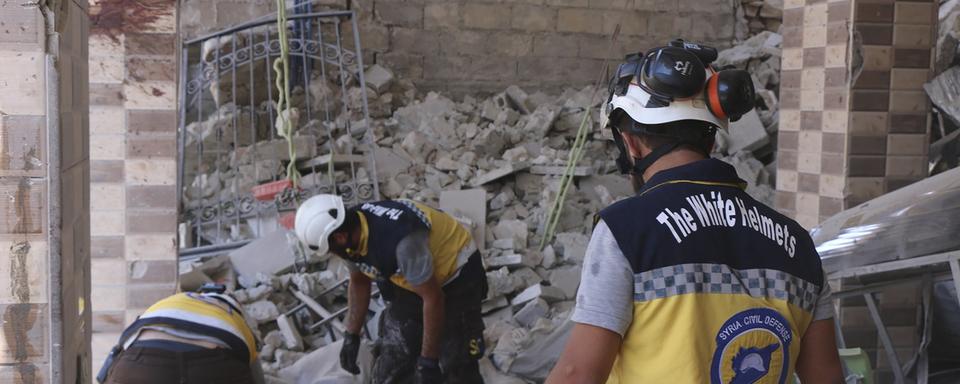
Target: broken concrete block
{"x": 512, "y": 229}
{"x": 540, "y": 121}
{"x": 499, "y": 173}
{"x": 279, "y": 245}
{"x": 549, "y": 257}
{"x": 506, "y": 244}
{"x": 516, "y": 154}
{"x": 519, "y": 99}
{"x": 471, "y": 203}
{"x": 747, "y": 134}
{"x": 291, "y": 336}
{"x": 546, "y": 292}
{"x": 512, "y": 260}
{"x": 558, "y": 170}
{"x": 572, "y": 245}
{"x": 494, "y": 304}
{"x": 378, "y": 78}
{"x": 531, "y": 312}
{"x": 263, "y": 311}
{"x": 567, "y": 279}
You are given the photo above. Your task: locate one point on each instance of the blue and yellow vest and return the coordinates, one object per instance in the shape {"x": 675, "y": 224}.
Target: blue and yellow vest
{"x": 385, "y": 223}
{"x": 208, "y": 314}
{"x": 724, "y": 287}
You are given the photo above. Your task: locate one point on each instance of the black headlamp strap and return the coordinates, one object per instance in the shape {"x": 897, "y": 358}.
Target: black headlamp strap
{"x": 623, "y": 158}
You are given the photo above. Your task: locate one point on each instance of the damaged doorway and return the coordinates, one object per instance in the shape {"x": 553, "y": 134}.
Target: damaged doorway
{"x": 231, "y": 159}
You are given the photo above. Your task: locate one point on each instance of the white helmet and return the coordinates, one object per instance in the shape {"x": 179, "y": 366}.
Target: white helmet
{"x": 636, "y": 103}
{"x": 317, "y": 218}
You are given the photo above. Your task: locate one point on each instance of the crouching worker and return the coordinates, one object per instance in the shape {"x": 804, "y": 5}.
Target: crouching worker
{"x": 429, "y": 273}
{"x": 189, "y": 338}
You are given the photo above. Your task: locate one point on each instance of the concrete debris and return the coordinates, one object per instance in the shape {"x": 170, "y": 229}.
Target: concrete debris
{"x": 511, "y": 148}
{"x": 378, "y": 78}
{"x": 531, "y": 312}
{"x": 263, "y": 311}
{"x": 747, "y": 134}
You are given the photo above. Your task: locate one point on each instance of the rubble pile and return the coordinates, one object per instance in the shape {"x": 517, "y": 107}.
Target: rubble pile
{"x": 494, "y": 163}
{"x": 755, "y": 16}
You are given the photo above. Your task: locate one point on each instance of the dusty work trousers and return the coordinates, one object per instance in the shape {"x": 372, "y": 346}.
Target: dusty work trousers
{"x": 401, "y": 331}
{"x": 157, "y": 366}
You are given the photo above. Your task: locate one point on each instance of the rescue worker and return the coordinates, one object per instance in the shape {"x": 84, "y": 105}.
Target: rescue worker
{"x": 190, "y": 338}
{"x": 429, "y": 273}
{"x": 692, "y": 280}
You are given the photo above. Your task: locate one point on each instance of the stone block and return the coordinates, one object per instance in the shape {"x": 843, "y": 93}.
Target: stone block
{"x": 151, "y": 69}
{"x": 24, "y": 330}
{"x": 151, "y": 147}
{"x": 144, "y": 222}
{"x": 499, "y": 173}
{"x": 471, "y": 203}
{"x": 142, "y": 296}
{"x": 108, "y": 298}
{"x": 512, "y": 260}
{"x": 486, "y": 16}
{"x": 249, "y": 261}
{"x": 150, "y": 94}
{"x": 106, "y": 69}
{"x": 580, "y": 20}
{"x": 531, "y": 312}
{"x": 567, "y": 279}
{"x": 106, "y": 247}
{"x": 106, "y": 196}
{"x": 153, "y": 44}
{"x": 150, "y": 172}
{"x": 106, "y": 223}
{"x": 150, "y": 247}
{"x": 150, "y": 271}
{"x": 24, "y": 83}
{"x": 24, "y": 146}
{"x": 555, "y": 45}
{"x": 533, "y": 18}
{"x": 441, "y": 15}
{"x": 151, "y": 196}
{"x": 107, "y": 120}
{"x": 291, "y": 336}
{"x": 402, "y": 14}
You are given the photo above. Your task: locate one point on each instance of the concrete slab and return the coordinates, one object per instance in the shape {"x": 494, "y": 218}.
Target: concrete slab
{"x": 471, "y": 203}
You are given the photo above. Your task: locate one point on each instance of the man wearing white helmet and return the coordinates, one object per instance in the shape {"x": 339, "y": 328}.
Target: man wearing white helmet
{"x": 428, "y": 271}
{"x": 692, "y": 280}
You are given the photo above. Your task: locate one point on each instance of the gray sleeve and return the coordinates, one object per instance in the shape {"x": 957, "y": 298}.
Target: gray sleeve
{"x": 824, "y": 307}
{"x": 414, "y": 259}
{"x": 605, "y": 297}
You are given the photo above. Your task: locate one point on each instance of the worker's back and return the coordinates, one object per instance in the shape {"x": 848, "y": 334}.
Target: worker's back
{"x": 724, "y": 287}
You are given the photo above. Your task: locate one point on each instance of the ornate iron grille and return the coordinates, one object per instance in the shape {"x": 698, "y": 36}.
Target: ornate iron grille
{"x": 228, "y": 144}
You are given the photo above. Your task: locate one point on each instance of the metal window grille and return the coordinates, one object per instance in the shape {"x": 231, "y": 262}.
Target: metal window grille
{"x": 227, "y": 138}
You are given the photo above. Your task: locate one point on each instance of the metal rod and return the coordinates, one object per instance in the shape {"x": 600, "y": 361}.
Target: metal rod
{"x": 197, "y": 252}
{"x": 272, "y": 20}
{"x": 892, "y": 358}
{"x": 181, "y": 140}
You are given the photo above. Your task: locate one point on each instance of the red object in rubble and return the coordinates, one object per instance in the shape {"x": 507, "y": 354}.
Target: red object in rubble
{"x": 288, "y": 219}
{"x": 266, "y": 192}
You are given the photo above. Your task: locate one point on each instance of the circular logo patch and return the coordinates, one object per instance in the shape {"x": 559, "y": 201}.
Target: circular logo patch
{"x": 753, "y": 346}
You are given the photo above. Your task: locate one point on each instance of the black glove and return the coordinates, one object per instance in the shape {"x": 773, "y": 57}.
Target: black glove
{"x": 428, "y": 371}
{"x": 349, "y": 352}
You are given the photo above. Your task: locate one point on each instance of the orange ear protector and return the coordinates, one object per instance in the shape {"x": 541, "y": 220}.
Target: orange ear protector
{"x": 730, "y": 94}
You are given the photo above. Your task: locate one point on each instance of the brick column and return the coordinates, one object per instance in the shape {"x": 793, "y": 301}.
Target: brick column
{"x": 45, "y": 266}
{"x": 854, "y": 116}
{"x": 133, "y": 71}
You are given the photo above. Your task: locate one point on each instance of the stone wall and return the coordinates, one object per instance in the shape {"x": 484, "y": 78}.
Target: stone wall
{"x": 133, "y": 75}
{"x": 44, "y": 272}
{"x": 482, "y": 46}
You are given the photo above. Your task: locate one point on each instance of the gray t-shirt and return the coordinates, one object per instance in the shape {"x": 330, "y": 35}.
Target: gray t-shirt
{"x": 605, "y": 296}
{"x": 414, "y": 260}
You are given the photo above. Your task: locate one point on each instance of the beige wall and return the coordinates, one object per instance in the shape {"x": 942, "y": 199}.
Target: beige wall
{"x": 44, "y": 284}
{"x": 133, "y": 93}
{"x": 479, "y": 45}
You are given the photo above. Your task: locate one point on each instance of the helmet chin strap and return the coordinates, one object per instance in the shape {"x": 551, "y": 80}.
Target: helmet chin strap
{"x": 639, "y": 165}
